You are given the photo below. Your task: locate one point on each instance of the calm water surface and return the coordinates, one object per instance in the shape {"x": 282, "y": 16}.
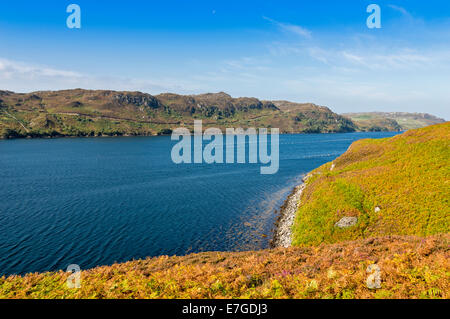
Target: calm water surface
{"x": 103, "y": 200}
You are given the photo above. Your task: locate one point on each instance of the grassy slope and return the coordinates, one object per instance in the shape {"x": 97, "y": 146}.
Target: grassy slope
{"x": 407, "y": 176}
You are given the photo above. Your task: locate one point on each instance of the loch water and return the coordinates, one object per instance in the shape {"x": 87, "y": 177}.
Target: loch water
{"x": 96, "y": 201}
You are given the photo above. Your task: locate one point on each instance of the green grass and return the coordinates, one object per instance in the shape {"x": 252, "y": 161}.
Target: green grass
{"x": 407, "y": 177}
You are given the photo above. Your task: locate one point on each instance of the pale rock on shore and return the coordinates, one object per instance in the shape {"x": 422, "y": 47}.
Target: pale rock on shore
{"x": 283, "y": 228}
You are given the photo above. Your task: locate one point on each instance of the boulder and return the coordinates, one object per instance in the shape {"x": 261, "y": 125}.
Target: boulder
{"x": 345, "y": 222}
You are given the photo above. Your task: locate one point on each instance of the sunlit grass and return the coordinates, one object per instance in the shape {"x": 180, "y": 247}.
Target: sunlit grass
{"x": 411, "y": 267}
{"x": 407, "y": 177}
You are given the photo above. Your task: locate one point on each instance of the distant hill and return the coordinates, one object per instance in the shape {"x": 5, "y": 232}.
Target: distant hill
{"x": 313, "y": 118}
{"x": 110, "y": 113}
{"x": 392, "y": 121}
{"x": 116, "y": 113}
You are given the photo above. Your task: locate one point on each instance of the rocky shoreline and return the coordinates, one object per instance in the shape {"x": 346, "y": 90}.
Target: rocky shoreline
{"x": 283, "y": 227}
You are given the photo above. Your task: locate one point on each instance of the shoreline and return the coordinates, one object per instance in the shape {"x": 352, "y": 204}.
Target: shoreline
{"x": 282, "y": 236}
{"x": 50, "y": 137}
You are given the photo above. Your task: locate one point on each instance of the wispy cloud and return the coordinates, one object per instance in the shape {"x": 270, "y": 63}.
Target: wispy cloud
{"x": 402, "y": 10}
{"x": 10, "y": 69}
{"x": 247, "y": 64}
{"x": 24, "y": 77}
{"x": 292, "y": 28}
{"x": 398, "y": 60}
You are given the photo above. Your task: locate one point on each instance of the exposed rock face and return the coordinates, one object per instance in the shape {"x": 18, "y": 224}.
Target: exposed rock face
{"x": 213, "y": 104}
{"x": 223, "y": 101}
{"x": 345, "y": 222}
{"x": 76, "y": 104}
{"x": 32, "y": 97}
{"x": 2, "y": 92}
{"x": 137, "y": 100}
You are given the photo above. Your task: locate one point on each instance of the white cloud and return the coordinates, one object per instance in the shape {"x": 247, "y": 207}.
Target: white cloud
{"x": 11, "y": 69}
{"x": 254, "y": 64}
{"x": 292, "y": 28}
{"x": 25, "y": 77}
{"x": 403, "y": 59}
{"x": 402, "y": 10}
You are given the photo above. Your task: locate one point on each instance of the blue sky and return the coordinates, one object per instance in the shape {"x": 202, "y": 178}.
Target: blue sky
{"x": 305, "y": 51}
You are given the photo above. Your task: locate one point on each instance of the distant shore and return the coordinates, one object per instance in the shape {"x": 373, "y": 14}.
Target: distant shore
{"x": 50, "y": 137}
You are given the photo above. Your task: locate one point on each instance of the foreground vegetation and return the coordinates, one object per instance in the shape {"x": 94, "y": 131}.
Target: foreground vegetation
{"x": 410, "y": 267}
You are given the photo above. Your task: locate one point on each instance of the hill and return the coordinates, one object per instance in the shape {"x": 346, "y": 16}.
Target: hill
{"x": 392, "y": 121}
{"x": 398, "y": 185}
{"x": 313, "y": 118}
{"x": 112, "y": 113}
{"x": 384, "y": 205}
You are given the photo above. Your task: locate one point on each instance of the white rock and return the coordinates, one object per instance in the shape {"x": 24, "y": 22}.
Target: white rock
{"x": 347, "y": 221}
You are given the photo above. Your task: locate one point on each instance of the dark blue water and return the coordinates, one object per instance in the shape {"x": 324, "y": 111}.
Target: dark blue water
{"x": 98, "y": 201}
